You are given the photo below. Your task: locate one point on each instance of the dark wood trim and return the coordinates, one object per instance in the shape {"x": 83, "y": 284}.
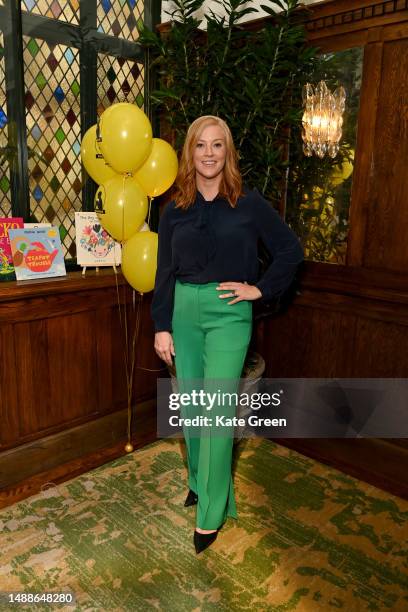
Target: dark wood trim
{"x": 49, "y": 452}
{"x": 335, "y": 17}
{"x": 72, "y": 282}
{"x": 370, "y": 283}
{"x": 363, "y": 169}
{"x": 348, "y": 15}
{"x": 45, "y": 480}
{"x": 365, "y": 308}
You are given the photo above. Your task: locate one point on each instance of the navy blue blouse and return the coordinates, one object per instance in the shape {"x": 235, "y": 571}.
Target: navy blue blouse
{"x": 213, "y": 242}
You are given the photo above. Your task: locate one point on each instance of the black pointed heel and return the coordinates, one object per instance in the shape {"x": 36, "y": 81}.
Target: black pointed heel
{"x": 191, "y": 498}
{"x": 203, "y": 540}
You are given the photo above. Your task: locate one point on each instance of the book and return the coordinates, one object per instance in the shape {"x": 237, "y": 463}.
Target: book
{"x": 95, "y": 247}
{"x": 37, "y": 252}
{"x": 6, "y": 259}
{"x": 31, "y": 225}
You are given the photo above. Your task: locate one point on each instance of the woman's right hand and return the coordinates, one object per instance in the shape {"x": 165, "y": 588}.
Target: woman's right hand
{"x": 164, "y": 347}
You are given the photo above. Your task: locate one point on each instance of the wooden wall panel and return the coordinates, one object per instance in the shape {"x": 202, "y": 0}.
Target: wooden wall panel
{"x": 9, "y": 406}
{"x": 71, "y": 347}
{"x": 380, "y": 350}
{"x": 64, "y": 348}
{"x": 307, "y": 342}
{"x": 110, "y": 385}
{"x": 105, "y": 337}
{"x": 360, "y": 203}
{"x": 385, "y": 244}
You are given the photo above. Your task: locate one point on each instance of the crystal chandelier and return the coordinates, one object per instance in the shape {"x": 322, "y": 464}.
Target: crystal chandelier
{"x": 322, "y": 119}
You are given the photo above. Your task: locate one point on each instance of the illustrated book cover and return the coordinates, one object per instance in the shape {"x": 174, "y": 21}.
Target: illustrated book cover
{"x": 37, "y": 252}
{"x": 95, "y": 247}
{"x": 6, "y": 259}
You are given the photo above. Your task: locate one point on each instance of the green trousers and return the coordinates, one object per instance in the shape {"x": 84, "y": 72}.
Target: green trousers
{"x": 211, "y": 339}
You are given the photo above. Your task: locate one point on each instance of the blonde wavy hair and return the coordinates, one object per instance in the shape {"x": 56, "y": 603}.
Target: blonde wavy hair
{"x": 185, "y": 184}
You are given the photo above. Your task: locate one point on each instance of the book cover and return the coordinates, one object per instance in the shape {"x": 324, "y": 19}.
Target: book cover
{"x": 95, "y": 247}
{"x": 31, "y": 225}
{"x": 6, "y": 259}
{"x": 37, "y": 252}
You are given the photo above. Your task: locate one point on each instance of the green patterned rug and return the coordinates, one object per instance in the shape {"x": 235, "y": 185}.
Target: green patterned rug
{"x": 308, "y": 538}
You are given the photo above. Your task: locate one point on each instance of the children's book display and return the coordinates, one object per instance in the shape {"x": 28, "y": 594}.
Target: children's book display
{"x": 37, "y": 252}
{"x": 34, "y": 250}
{"x": 94, "y": 246}
{"x": 6, "y": 258}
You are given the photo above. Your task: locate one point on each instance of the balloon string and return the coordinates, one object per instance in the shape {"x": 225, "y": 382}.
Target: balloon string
{"x": 123, "y": 326}
{"x": 129, "y": 368}
{"x": 132, "y": 366}
{"x": 123, "y": 206}
{"x": 150, "y": 208}
{"x": 133, "y": 356}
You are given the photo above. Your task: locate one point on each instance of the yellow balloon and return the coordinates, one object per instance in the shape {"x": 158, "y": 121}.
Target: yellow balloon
{"x": 139, "y": 260}
{"x": 96, "y": 167}
{"x": 159, "y": 170}
{"x": 126, "y": 136}
{"x": 121, "y": 206}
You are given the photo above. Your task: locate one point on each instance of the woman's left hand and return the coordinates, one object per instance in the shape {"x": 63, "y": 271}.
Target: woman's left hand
{"x": 241, "y": 291}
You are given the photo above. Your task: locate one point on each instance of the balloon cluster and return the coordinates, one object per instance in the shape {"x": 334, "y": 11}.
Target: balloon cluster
{"x": 129, "y": 165}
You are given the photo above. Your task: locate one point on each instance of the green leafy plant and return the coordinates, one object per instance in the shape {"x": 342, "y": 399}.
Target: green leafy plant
{"x": 246, "y": 77}
{"x": 253, "y": 78}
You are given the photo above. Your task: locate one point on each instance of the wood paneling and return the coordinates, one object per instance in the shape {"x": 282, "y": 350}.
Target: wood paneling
{"x": 63, "y": 346}
{"x": 352, "y": 320}
{"x": 338, "y": 17}
{"x": 50, "y": 451}
{"x": 363, "y": 164}
{"x": 25, "y": 470}
{"x": 387, "y": 226}
{"x": 322, "y": 337}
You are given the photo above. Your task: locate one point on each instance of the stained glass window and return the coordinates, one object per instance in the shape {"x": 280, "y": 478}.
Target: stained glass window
{"x": 119, "y": 80}
{"x": 5, "y": 198}
{"x": 52, "y": 97}
{"x": 52, "y": 101}
{"x": 65, "y": 10}
{"x": 119, "y": 17}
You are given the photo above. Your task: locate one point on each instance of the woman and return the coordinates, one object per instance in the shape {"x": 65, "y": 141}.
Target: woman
{"x": 205, "y": 284}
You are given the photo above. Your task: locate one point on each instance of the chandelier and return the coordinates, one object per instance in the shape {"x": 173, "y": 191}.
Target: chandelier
{"x": 322, "y": 119}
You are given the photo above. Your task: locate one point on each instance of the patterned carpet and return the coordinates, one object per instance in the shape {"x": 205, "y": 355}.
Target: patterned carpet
{"x": 308, "y": 538}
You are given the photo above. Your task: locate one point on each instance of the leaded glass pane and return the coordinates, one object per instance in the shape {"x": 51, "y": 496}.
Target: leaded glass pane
{"x": 119, "y": 80}
{"x": 5, "y": 151}
{"x": 65, "y": 10}
{"x": 53, "y": 135}
{"x": 119, "y": 17}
